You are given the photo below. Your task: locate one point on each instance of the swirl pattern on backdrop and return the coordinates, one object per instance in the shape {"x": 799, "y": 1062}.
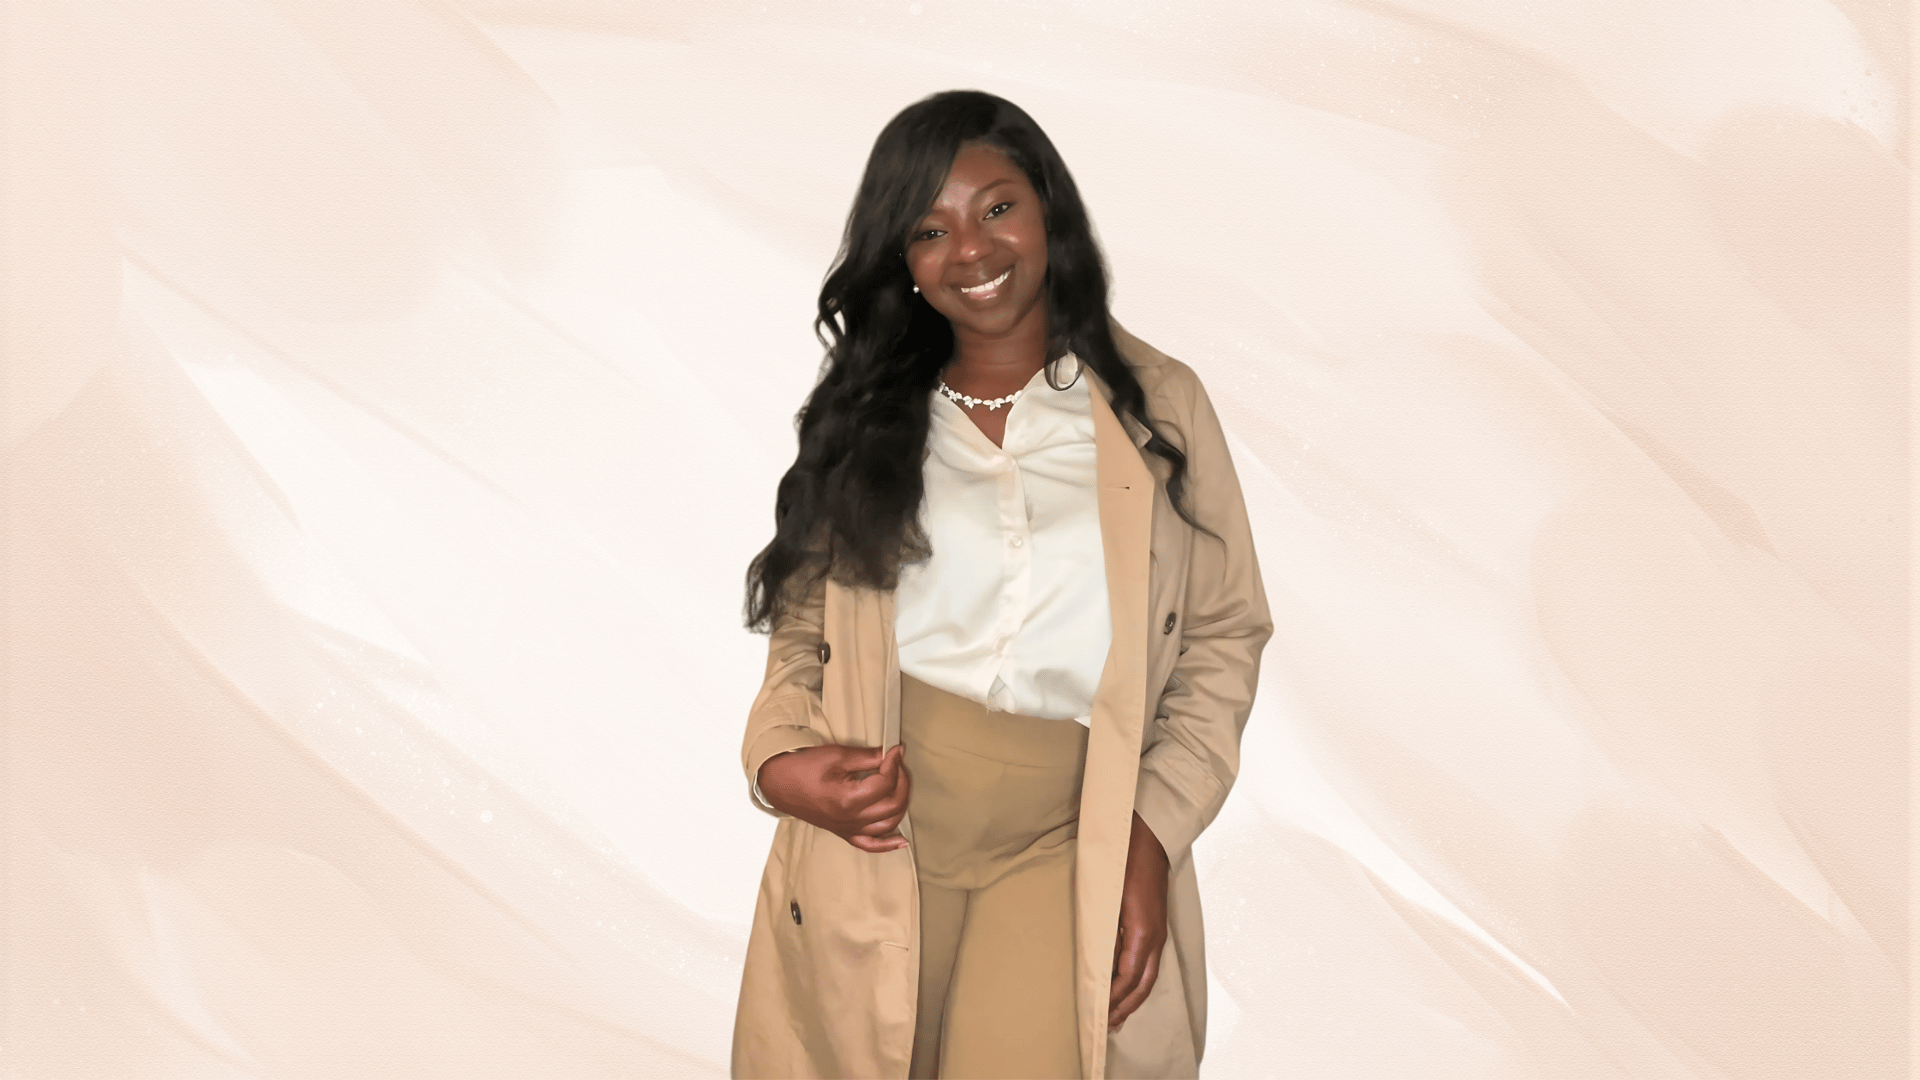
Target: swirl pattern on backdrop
{"x": 394, "y": 393}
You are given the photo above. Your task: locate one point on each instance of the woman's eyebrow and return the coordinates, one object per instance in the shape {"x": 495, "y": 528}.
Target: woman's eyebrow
{"x": 984, "y": 189}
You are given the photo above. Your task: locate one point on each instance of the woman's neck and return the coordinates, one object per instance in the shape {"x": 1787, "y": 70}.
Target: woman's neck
{"x": 994, "y": 367}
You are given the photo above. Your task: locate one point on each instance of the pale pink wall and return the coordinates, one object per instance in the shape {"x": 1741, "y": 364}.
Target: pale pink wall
{"x": 394, "y": 393}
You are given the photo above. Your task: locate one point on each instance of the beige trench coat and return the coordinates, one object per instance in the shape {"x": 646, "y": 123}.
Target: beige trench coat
{"x": 832, "y": 959}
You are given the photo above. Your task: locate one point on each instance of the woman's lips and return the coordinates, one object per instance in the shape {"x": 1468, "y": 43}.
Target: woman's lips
{"x": 986, "y": 291}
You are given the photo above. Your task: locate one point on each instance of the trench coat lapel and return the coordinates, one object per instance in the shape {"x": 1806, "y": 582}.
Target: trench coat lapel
{"x": 1126, "y": 490}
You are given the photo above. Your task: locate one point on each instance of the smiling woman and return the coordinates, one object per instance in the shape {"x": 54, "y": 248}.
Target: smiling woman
{"x": 1016, "y": 623}
{"x": 981, "y": 260}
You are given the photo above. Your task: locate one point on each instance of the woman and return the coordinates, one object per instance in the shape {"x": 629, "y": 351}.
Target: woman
{"x": 1016, "y": 623}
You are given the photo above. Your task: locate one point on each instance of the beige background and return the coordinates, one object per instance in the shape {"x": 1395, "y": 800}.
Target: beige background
{"x": 394, "y": 392}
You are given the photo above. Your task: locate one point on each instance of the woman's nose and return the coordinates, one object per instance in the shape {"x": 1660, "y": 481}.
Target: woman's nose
{"x": 970, "y": 244}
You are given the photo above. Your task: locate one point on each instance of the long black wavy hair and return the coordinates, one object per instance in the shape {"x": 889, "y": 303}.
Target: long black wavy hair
{"x": 849, "y": 505}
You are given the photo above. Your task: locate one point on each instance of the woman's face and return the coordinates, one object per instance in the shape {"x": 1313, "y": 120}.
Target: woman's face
{"x": 979, "y": 255}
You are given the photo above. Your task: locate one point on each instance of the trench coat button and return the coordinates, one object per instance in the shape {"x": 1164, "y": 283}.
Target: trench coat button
{"x": 793, "y": 908}
{"x": 1168, "y": 628}
{"x": 826, "y": 650}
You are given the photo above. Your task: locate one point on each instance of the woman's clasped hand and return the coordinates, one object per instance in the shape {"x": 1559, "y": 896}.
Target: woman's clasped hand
{"x": 858, "y": 793}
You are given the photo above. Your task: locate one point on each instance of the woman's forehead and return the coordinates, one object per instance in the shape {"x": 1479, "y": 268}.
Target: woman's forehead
{"x": 978, "y": 169}
{"x": 980, "y": 154}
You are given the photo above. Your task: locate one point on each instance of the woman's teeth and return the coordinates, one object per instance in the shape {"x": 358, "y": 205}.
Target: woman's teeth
{"x": 989, "y": 286}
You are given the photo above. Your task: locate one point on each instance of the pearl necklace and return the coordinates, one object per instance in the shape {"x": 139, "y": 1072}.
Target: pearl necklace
{"x": 962, "y": 399}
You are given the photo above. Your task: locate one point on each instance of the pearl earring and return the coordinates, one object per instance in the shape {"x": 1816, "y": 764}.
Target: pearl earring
{"x": 916, "y": 288}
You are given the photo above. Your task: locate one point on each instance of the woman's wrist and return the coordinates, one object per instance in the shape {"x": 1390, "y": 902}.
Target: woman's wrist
{"x": 1143, "y": 848}
{"x": 760, "y": 794}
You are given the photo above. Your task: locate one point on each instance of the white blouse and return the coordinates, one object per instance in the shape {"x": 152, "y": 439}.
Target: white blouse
{"x": 1011, "y": 608}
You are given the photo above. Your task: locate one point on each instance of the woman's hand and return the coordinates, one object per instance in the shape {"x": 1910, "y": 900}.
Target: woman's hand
{"x": 857, "y": 793}
{"x": 1143, "y": 925}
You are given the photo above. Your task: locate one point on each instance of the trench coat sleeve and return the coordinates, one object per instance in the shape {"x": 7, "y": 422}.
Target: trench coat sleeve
{"x": 1191, "y": 749}
{"x": 786, "y": 715}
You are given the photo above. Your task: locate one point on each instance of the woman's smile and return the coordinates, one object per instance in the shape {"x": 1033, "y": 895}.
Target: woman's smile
{"x": 987, "y": 290}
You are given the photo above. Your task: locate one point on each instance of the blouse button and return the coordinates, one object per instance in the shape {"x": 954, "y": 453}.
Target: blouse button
{"x": 825, "y": 652}
{"x": 793, "y": 908}
{"x": 1017, "y": 541}
{"x": 1168, "y": 628}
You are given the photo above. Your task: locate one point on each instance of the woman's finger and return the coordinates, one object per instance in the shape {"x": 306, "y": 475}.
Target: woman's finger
{"x": 1136, "y": 997}
{"x": 856, "y": 794}
{"x": 864, "y": 820}
{"x": 883, "y": 826}
{"x": 888, "y": 782}
{"x": 876, "y": 791}
{"x": 888, "y": 805}
{"x": 1127, "y": 965}
{"x": 877, "y": 844}
{"x": 852, "y": 760}
{"x": 889, "y": 802}
{"x": 874, "y": 766}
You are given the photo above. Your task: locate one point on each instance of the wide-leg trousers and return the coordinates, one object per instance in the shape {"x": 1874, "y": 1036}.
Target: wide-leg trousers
{"x": 995, "y": 813}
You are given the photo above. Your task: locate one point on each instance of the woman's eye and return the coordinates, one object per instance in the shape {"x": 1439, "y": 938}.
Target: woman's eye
{"x": 928, "y": 234}
{"x": 999, "y": 208}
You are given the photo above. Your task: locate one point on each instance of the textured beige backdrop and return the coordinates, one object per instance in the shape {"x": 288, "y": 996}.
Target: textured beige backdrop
{"x": 394, "y": 392}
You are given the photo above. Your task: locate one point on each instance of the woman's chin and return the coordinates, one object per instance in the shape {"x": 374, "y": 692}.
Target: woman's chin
{"x": 997, "y": 318}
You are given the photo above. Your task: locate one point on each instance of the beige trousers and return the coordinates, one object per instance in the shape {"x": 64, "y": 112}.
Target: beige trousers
{"x": 995, "y": 810}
